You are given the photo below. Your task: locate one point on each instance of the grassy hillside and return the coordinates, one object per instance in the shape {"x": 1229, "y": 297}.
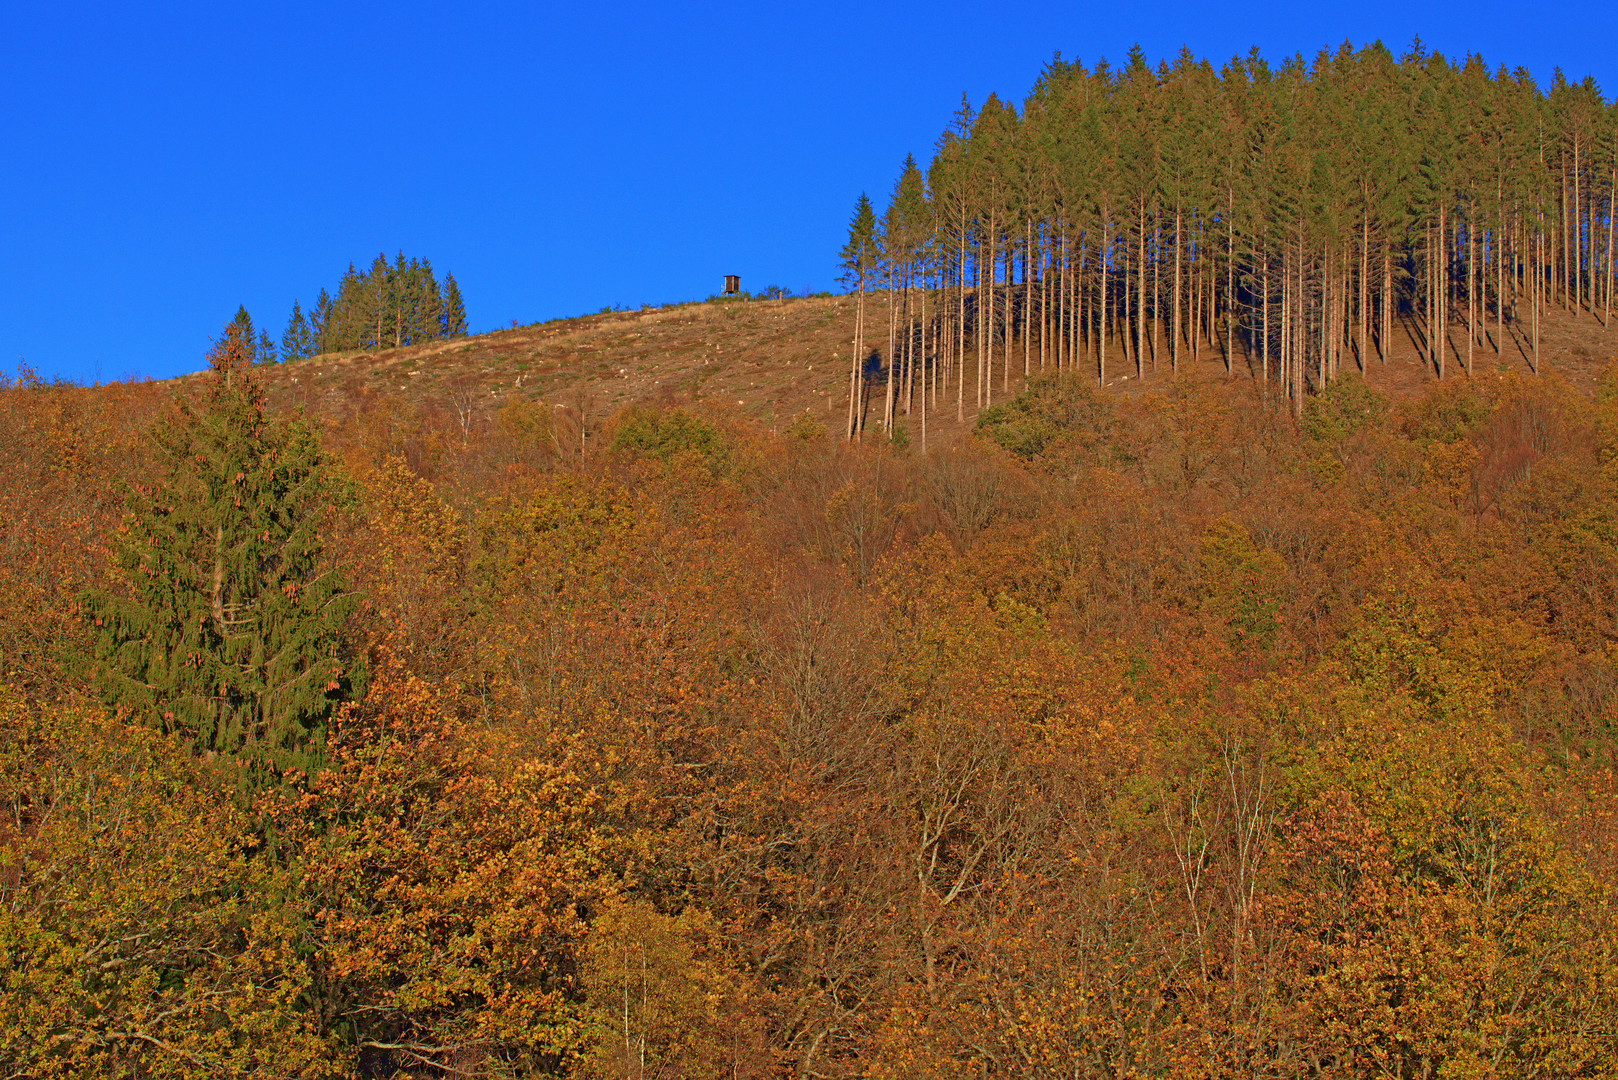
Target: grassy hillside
{"x": 774, "y": 360}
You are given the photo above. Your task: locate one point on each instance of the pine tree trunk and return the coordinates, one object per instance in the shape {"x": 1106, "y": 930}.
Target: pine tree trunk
{"x": 1264, "y": 345}
{"x": 891, "y": 387}
{"x": 1471, "y": 302}
{"x": 1612, "y": 205}
{"x": 1539, "y": 288}
{"x": 1156, "y": 322}
{"x": 924, "y": 365}
{"x": 1298, "y": 324}
{"x": 1322, "y": 361}
{"x": 960, "y": 352}
{"x": 1010, "y": 321}
{"x": 1365, "y": 297}
{"x": 1140, "y": 299}
{"x": 853, "y": 368}
{"x": 1131, "y": 332}
{"x": 1101, "y": 311}
{"x": 1499, "y": 282}
{"x": 1230, "y": 296}
{"x": 1174, "y": 329}
{"x": 1027, "y": 298}
{"x": 1044, "y": 296}
{"x": 1553, "y": 238}
{"x": 1576, "y": 249}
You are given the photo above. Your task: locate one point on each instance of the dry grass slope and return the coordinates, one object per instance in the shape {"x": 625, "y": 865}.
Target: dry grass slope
{"x": 773, "y": 360}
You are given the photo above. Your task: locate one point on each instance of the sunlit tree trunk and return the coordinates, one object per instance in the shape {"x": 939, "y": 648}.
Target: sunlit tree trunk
{"x": 1471, "y": 300}
{"x": 1140, "y": 298}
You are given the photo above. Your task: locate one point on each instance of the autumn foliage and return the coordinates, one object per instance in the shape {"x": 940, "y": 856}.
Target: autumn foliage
{"x": 1163, "y": 735}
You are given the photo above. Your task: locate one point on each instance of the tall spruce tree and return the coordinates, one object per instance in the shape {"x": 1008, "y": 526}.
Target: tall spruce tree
{"x": 321, "y": 328}
{"x": 296, "y": 340}
{"x": 228, "y": 633}
{"x": 243, "y": 324}
{"x": 428, "y": 320}
{"x": 860, "y": 258}
{"x": 453, "y": 320}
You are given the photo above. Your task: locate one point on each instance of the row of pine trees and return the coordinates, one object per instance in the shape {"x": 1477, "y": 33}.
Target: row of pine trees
{"x": 392, "y": 304}
{"x": 1303, "y": 214}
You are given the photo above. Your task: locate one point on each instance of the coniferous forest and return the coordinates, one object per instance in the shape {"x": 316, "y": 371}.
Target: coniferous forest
{"x": 389, "y": 305}
{"x": 1294, "y": 218}
{"x": 1256, "y": 715}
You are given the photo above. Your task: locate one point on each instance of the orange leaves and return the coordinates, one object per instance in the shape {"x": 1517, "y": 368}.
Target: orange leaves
{"x": 445, "y": 876}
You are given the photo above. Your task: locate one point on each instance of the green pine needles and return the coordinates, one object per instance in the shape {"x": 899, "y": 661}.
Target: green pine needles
{"x": 229, "y": 633}
{"x": 392, "y": 304}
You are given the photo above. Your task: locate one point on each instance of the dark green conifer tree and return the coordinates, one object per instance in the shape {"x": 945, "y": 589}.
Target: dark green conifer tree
{"x": 860, "y": 259}
{"x": 228, "y": 632}
{"x": 320, "y": 325}
{"x": 296, "y": 340}
{"x": 265, "y": 354}
{"x": 429, "y": 307}
{"x": 243, "y": 322}
{"x": 454, "y": 318}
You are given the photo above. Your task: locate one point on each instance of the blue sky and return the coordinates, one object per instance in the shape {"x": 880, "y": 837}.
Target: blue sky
{"x": 161, "y": 164}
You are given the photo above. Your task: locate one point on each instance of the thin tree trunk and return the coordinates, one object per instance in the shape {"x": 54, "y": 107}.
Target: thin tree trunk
{"x": 924, "y": 365}
{"x": 1364, "y": 320}
{"x": 1576, "y": 249}
{"x": 960, "y": 352}
{"x": 1539, "y": 288}
{"x": 1157, "y": 292}
{"x": 1101, "y": 311}
{"x": 1027, "y": 297}
{"x": 1140, "y": 299}
{"x": 1006, "y": 303}
{"x": 1612, "y": 195}
{"x": 1499, "y": 282}
{"x": 1173, "y": 335}
{"x": 853, "y": 368}
{"x": 1230, "y": 295}
{"x": 1264, "y": 346}
{"x": 1471, "y": 301}
{"x": 892, "y": 385}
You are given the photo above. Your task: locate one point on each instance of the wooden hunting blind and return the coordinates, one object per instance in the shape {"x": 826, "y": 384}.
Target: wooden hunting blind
{"x": 733, "y": 284}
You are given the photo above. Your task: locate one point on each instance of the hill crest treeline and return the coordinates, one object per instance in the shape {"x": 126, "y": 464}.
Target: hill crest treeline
{"x": 1302, "y": 213}
{"x": 391, "y": 304}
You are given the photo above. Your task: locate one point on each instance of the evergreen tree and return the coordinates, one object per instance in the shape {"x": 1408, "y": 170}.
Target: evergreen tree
{"x": 391, "y": 304}
{"x": 377, "y": 305}
{"x": 266, "y": 349}
{"x": 453, "y": 320}
{"x": 860, "y": 259}
{"x": 427, "y": 323}
{"x": 228, "y": 633}
{"x": 320, "y": 325}
{"x": 295, "y": 341}
{"x": 242, "y": 322}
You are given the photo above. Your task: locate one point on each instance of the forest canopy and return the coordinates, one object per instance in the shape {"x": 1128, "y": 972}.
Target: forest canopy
{"x": 1305, "y": 213}
{"x": 391, "y": 304}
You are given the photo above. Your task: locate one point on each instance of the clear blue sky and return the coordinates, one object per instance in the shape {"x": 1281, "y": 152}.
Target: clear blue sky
{"x": 161, "y": 164}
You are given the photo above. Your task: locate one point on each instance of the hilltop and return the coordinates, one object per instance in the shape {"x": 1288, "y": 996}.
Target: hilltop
{"x": 774, "y": 360}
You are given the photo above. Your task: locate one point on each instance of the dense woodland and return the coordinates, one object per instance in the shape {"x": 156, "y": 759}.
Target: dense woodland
{"x": 1195, "y": 731}
{"x": 1293, "y": 218}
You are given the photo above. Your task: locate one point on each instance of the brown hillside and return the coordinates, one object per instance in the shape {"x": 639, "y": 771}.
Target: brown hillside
{"x": 775, "y": 359}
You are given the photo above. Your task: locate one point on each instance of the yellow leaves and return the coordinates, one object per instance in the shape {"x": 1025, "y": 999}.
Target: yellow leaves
{"x": 445, "y": 869}
{"x": 134, "y": 915}
{"x": 660, "y": 991}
